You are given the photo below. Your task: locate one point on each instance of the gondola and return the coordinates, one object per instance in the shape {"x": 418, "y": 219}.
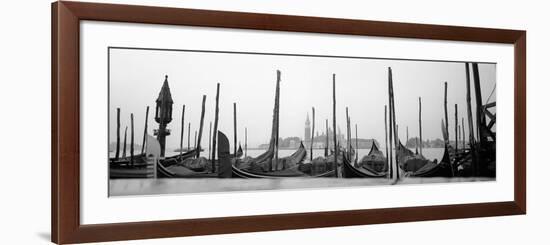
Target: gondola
{"x": 171, "y": 160}
{"x": 289, "y": 165}
{"x": 122, "y": 169}
{"x": 242, "y": 173}
{"x": 293, "y": 172}
{"x": 349, "y": 171}
{"x": 190, "y": 161}
{"x": 138, "y": 159}
{"x": 416, "y": 165}
{"x": 224, "y": 161}
{"x": 141, "y": 159}
{"x": 290, "y": 172}
{"x": 131, "y": 172}
{"x": 375, "y": 161}
{"x": 434, "y": 169}
{"x": 182, "y": 172}
{"x": 408, "y": 160}
{"x": 318, "y": 165}
{"x": 266, "y": 160}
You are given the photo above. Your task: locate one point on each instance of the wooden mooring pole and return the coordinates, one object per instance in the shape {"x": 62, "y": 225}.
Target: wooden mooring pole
{"x": 273, "y": 141}
{"x": 215, "y": 132}
{"x": 470, "y": 121}
{"x": 132, "y": 139}
{"x": 456, "y": 127}
{"x": 199, "y": 148}
{"x": 407, "y": 135}
{"x": 145, "y": 131}
{"x": 312, "y": 135}
{"x": 390, "y": 123}
{"x": 124, "y": 145}
{"x": 480, "y": 115}
{"x": 210, "y": 142}
{"x": 117, "y": 133}
{"x": 182, "y": 129}
{"x": 348, "y": 143}
{"x": 446, "y": 115}
{"x": 396, "y": 137}
{"x": 235, "y": 128}
{"x": 334, "y": 124}
{"x": 357, "y": 145}
{"x": 459, "y": 137}
{"x": 463, "y": 135}
{"x": 188, "y": 136}
{"x": 420, "y": 124}
{"x": 386, "y": 134}
{"x": 278, "y": 119}
{"x": 326, "y": 134}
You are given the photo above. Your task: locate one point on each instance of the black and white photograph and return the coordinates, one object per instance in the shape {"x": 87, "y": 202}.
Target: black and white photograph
{"x": 196, "y": 121}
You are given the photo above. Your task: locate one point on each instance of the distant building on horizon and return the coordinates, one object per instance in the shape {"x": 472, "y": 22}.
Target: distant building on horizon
{"x": 320, "y": 139}
{"x": 307, "y": 131}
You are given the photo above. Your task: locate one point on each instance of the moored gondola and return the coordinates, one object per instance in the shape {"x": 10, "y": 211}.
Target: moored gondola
{"x": 171, "y": 160}
{"x": 124, "y": 169}
{"x": 142, "y": 168}
{"x": 408, "y": 160}
{"x": 122, "y": 161}
{"x": 349, "y": 171}
{"x": 288, "y": 165}
{"x": 434, "y": 169}
{"x": 141, "y": 159}
{"x": 132, "y": 172}
{"x": 178, "y": 171}
{"x": 374, "y": 161}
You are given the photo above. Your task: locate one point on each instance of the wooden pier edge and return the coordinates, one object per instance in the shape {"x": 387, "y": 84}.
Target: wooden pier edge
{"x": 65, "y": 122}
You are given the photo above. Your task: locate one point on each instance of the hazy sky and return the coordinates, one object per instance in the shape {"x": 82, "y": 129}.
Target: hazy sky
{"x": 136, "y": 77}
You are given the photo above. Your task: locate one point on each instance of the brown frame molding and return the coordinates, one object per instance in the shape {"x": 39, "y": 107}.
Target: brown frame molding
{"x": 65, "y": 181}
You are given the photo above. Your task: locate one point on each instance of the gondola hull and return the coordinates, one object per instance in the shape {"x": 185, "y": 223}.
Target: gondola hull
{"x": 441, "y": 169}
{"x": 349, "y": 171}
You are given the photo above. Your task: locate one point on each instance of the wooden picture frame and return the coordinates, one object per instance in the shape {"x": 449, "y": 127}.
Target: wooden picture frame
{"x": 65, "y": 101}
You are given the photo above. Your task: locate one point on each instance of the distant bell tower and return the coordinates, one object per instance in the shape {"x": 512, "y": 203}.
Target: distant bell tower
{"x": 163, "y": 114}
{"x": 307, "y": 134}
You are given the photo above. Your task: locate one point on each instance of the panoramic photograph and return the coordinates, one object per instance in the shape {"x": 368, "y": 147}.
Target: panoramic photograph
{"x": 198, "y": 121}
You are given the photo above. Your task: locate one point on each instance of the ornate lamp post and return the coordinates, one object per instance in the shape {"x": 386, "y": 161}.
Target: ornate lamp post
{"x": 163, "y": 114}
